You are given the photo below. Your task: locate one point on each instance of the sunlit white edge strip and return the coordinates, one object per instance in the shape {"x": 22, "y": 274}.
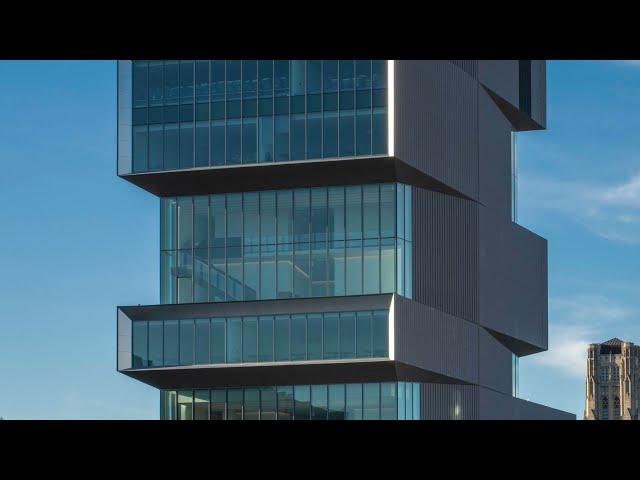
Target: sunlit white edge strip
{"x": 390, "y": 106}
{"x": 392, "y": 340}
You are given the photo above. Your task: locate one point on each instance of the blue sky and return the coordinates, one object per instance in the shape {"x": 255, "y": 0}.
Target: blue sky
{"x": 76, "y": 241}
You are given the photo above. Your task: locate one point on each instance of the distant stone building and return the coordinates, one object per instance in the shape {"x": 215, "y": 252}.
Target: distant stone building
{"x": 613, "y": 381}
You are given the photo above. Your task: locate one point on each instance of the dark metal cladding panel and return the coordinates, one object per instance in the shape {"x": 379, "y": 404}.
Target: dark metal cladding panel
{"x": 445, "y": 274}
{"x": 497, "y": 406}
{"x": 432, "y": 340}
{"x": 494, "y": 151}
{"x": 436, "y": 122}
{"x": 501, "y": 77}
{"x": 513, "y": 280}
{"x": 494, "y": 363}
{"x": 448, "y": 402}
{"x": 539, "y": 92}
{"x": 469, "y": 66}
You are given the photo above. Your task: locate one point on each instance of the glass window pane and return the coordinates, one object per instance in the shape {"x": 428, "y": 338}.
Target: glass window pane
{"x": 202, "y": 341}
{"x": 202, "y": 144}
{"x": 285, "y": 403}
{"x": 168, "y": 225}
{"x": 371, "y": 400}
{"x": 336, "y": 269}
{"x": 201, "y": 221}
{"x": 346, "y": 132}
{"x": 217, "y": 80}
{"x": 319, "y": 220}
{"x": 251, "y": 272}
{"x": 330, "y": 134}
{"x": 285, "y": 216}
{"x": 265, "y": 139}
{"x": 298, "y": 136}
{"x": 155, "y": 82}
{"x": 140, "y": 139}
{"x": 265, "y": 339}
{"x": 251, "y": 218}
{"x": 185, "y": 405}
{"x": 234, "y": 219}
{"x": 268, "y": 217}
{"x": 171, "y": 85}
{"x": 363, "y": 131}
{"x": 298, "y": 337}
{"x": 217, "y": 275}
{"x": 281, "y": 138}
{"x": 234, "y": 404}
{"x": 337, "y": 402}
{"x": 156, "y": 147}
{"x": 379, "y": 133}
{"x": 155, "y": 343}
{"x": 331, "y": 346}
{"x": 282, "y": 335}
{"x": 388, "y": 401}
{"x": 330, "y": 75}
{"x": 281, "y": 77}
{"x": 379, "y": 68}
{"x": 217, "y": 222}
{"x": 354, "y": 267}
{"x": 202, "y": 81}
{"x": 400, "y": 267}
{"x": 186, "y": 81}
{"x": 168, "y": 271}
{"x": 416, "y": 401}
{"x": 353, "y": 410}
{"x": 387, "y": 210}
{"x": 314, "y": 135}
{"x": 140, "y": 83}
{"x": 250, "y": 339}
{"x": 302, "y": 215}
{"x": 234, "y": 74}
{"x": 218, "y": 340}
{"x": 201, "y": 405}
{"x": 252, "y": 404}
{"x": 267, "y": 272}
{"x": 169, "y": 399}
{"x": 234, "y": 141}
{"x": 319, "y": 269}
{"x": 171, "y": 346}
{"x": 408, "y": 270}
{"x": 314, "y": 336}
{"x": 347, "y": 334}
{"x": 185, "y": 276}
{"x": 265, "y": 78}
{"x": 336, "y": 213}
{"x": 218, "y": 142}
{"x": 171, "y": 146}
{"x": 302, "y": 398}
{"x": 407, "y": 213}
{"x": 380, "y": 333}
{"x": 370, "y": 211}
{"x": 234, "y": 340}
{"x": 408, "y": 401}
{"x": 371, "y": 267}
{"x": 364, "y": 341}
{"x": 318, "y": 402}
{"x": 249, "y": 140}
{"x": 353, "y": 197}
{"x": 185, "y": 223}
{"x": 285, "y": 271}
{"x": 186, "y": 145}
{"x": 140, "y": 344}
{"x": 201, "y": 275}
{"x": 218, "y": 410}
{"x": 268, "y": 403}
{"x": 301, "y": 270}
{"x": 387, "y": 265}
{"x": 186, "y": 342}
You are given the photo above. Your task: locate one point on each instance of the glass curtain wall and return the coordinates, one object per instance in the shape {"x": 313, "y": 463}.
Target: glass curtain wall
{"x": 312, "y": 242}
{"x": 265, "y": 338}
{"x": 353, "y": 401}
{"x": 189, "y": 114}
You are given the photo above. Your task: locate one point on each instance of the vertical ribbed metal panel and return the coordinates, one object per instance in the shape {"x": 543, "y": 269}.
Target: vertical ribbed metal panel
{"x": 494, "y": 362}
{"x": 436, "y": 122}
{"x": 446, "y": 253}
{"x": 501, "y": 77}
{"x": 430, "y": 339}
{"x": 539, "y": 91}
{"x": 449, "y": 402}
{"x": 513, "y": 280}
{"x": 469, "y": 66}
{"x": 494, "y": 153}
{"x": 497, "y": 406}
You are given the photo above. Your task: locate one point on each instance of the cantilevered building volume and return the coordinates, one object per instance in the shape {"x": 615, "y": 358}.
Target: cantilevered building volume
{"x": 337, "y": 237}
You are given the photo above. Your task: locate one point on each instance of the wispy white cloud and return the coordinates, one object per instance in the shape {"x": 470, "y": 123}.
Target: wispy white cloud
{"x": 577, "y": 321}
{"x": 609, "y": 211}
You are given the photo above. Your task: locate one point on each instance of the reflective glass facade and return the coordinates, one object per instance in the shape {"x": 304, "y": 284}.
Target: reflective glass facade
{"x": 353, "y": 401}
{"x": 265, "y": 338}
{"x": 203, "y": 113}
{"x": 311, "y": 242}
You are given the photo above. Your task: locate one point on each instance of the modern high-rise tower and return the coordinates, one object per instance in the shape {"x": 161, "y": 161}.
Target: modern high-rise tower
{"x": 613, "y": 381}
{"x": 337, "y": 237}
